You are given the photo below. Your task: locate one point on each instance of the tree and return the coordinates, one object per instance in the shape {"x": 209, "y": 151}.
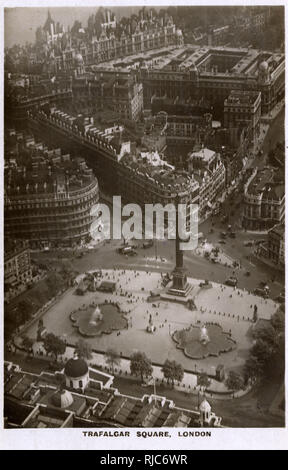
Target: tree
{"x": 234, "y": 382}
{"x": 172, "y": 371}
{"x": 83, "y": 349}
{"x": 278, "y": 321}
{"x": 24, "y": 310}
{"x": 252, "y": 369}
{"x": 112, "y": 358}
{"x": 52, "y": 283}
{"x": 268, "y": 335}
{"x": 140, "y": 365}
{"x": 55, "y": 345}
{"x": 261, "y": 351}
{"x": 27, "y": 343}
{"x": 203, "y": 380}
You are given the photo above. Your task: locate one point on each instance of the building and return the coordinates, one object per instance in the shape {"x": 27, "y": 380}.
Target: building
{"x": 51, "y": 31}
{"x": 103, "y": 39}
{"x": 145, "y": 178}
{"x": 48, "y": 196}
{"x": 243, "y": 109}
{"x": 208, "y": 169}
{"x": 48, "y": 400}
{"x": 141, "y": 177}
{"x": 218, "y": 36}
{"x": 17, "y": 266}
{"x": 121, "y": 94}
{"x": 264, "y": 200}
{"x": 31, "y": 91}
{"x": 211, "y": 73}
{"x": 276, "y": 245}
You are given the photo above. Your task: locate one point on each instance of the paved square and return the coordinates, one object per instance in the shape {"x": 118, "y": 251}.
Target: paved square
{"x": 229, "y": 307}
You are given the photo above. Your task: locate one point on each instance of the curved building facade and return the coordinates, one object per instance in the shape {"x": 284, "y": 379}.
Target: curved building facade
{"x": 49, "y": 201}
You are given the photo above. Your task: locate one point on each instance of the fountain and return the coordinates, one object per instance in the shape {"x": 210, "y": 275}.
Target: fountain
{"x": 96, "y": 316}
{"x": 209, "y": 340}
{"x": 105, "y": 318}
{"x": 204, "y": 337}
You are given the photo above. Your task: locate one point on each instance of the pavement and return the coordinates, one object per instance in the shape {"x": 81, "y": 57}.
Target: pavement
{"x": 232, "y": 308}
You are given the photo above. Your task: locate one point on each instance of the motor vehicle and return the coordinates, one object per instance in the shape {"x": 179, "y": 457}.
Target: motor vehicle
{"x": 222, "y": 242}
{"x": 248, "y": 243}
{"x": 147, "y": 244}
{"x": 261, "y": 292}
{"x": 126, "y": 250}
{"x": 232, "y": 281}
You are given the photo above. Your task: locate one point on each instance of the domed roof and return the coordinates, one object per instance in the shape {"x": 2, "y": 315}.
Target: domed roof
{"x": 205, "y": 406}
{"x": 263, "y": 66}
{"x": 79, "y": 59}
{"x": 62, "y": 399}
{"x": 75, "y": 367}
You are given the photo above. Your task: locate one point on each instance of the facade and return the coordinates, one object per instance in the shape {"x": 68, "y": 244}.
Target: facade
{"x": 211, "y": 73}
{"x": 147, "y": 179}
{"x": 120, "y": 94}
{"x": 51, "y": 31}
{"x": 35, "y": 401}
{"x": 17, "y": 265}
{"x": 49, "y": 200}
{"x": 264, "y": 200}
{"x": 276, "y": 245}
{"x": 141, "y": 177}
{"x": 103, "y": 39}
{"x": 243, "y": 109}
{"x": 208, "y": 169}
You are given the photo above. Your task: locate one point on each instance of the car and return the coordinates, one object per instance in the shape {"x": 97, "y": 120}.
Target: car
{"x": 222, "y": 242}
{"x": 261, "y": 292}
{"x": 232, "y": 281}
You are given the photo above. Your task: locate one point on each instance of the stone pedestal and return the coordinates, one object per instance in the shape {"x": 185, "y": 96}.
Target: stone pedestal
{"x": 180, "y": 285}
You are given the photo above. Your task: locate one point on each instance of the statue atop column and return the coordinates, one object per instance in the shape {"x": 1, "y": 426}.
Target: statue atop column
{"x": 180, "y": 285}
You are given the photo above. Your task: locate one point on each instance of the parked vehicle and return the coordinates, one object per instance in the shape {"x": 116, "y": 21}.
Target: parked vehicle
{"x": 232, "y": 281}
{"x": 147, "y": 244}
{"x": 261, "y": 292}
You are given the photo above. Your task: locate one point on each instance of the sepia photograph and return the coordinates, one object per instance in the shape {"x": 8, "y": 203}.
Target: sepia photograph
{"x": 143, "y": 220}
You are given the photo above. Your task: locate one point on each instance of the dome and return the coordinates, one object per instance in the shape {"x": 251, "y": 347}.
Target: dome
{"x": 79, "y": 59}
{"x": 62, "y": 399}
{"x": 76, "y": 367}
{"x": 264, "y": 66}
{"x": 205, "y": 407}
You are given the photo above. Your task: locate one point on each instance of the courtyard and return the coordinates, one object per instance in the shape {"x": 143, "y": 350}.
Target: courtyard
{"x": 231, "y": 308}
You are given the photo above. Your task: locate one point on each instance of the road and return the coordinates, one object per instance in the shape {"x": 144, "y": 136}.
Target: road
{"x": 105, "y": 256}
